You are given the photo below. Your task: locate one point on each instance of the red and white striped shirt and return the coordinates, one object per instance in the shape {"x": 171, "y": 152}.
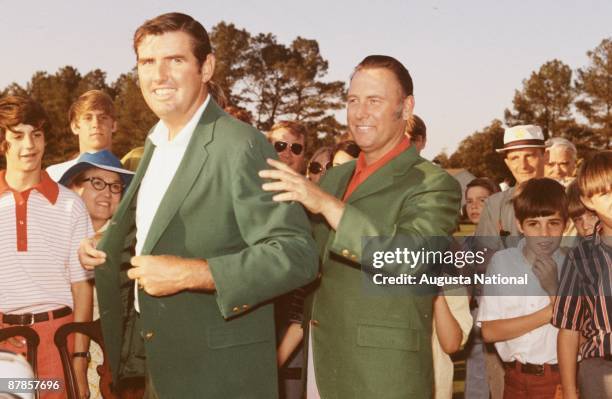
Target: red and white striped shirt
{"x": 40, "y": 232}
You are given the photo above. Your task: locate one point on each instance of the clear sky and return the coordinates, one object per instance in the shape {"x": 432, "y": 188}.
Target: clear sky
{"x": 466, "y": 57}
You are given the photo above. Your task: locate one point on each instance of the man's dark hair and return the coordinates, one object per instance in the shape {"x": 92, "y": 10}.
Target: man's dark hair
{"x": 539, "y": 197}
{"x": 386, "y": 62}
{"x": 15, "y": 110}
{"x": 417, "y": 128}
{"x": 176, "y": 22}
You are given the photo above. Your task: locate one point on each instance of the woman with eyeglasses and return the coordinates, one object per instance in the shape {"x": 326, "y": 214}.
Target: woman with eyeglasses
{"x": 100, "y": 180}
{"x": 319, "y": 163}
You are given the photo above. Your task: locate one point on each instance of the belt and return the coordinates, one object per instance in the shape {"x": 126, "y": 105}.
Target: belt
{"x": 27, "y": 319}
{"x": 528, "y": 368}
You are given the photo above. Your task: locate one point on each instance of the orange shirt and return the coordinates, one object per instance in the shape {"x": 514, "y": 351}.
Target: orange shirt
{"x": 363, "y": 171}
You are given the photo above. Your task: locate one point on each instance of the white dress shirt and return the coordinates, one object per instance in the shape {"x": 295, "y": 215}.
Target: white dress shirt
{"x": 164, "y": 163}
{"x": 538, "y": 346}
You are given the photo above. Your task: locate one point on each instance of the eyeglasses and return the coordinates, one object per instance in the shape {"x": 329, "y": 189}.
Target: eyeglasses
{"x": 296, "y": 148}
{"x": 100, "y": 185}
{"x": 315, "y": 167}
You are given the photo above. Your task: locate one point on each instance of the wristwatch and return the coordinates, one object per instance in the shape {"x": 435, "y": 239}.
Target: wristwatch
{"x": 86, "y": 355}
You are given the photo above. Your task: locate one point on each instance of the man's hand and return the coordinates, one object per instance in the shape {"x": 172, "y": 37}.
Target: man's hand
{"x": 295, "y": 187}
{"x": 162, "y": 275}
{"x": 89, "y": 256}
{"x": 545, "y": 270}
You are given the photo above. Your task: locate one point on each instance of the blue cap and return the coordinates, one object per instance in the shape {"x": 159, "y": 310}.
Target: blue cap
{"x": 102, "y": 159}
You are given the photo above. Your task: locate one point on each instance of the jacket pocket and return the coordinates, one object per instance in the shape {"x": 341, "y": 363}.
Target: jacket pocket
{"x": 388, "y": 336}
{"x": 223, "y": 337}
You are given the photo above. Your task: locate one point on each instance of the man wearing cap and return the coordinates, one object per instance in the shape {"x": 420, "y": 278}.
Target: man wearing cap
{"x": 212, "y": 248}
{"x": 524, "y": 156}
{"x": 42, "y": 284}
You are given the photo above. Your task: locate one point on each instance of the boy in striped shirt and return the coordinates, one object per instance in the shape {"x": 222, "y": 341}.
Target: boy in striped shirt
{"x": 42, "y": 284}
{"x": 584, "y": 299}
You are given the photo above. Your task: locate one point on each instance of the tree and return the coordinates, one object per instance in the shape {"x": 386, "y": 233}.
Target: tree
{"x": 134, "y": 117}
{"x": 594, "y": 85}
{"x": 283, "y": 82}
{"x": 477, "y": 154}
{"x": 545, "y": 100}
{"x": 231, "y": 47}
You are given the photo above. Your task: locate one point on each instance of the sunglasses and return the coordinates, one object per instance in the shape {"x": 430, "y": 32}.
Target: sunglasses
{"x": 315, "y": 167}
{"x": 281, "y": 146}
{"x": 100, "y": 185}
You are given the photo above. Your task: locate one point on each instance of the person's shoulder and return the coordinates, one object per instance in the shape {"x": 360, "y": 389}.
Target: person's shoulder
{"x": 504, "y": 256}
{"x": 335, "y": 174}
{"x": 583, "y": 247}
{"x": 70, "y": 200}
{"x": 434, "y": 175}
{"x": 56, "y": 171}
{"x": 232, "y": 128}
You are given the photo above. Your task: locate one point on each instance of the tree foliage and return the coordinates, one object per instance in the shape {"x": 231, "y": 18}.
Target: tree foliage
{"x": 594, "y": 84}
{"x": 477, "y": 154}
{"x": 545, "y": 100}
{"x": 272, "y": 80}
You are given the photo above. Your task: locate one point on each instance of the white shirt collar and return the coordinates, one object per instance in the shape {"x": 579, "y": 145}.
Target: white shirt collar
{"x": 159, "y": 136}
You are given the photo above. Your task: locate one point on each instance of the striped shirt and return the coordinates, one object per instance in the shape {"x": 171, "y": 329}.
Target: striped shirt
{"x": 584, "y": 300}
{"x": 40, "y": 232}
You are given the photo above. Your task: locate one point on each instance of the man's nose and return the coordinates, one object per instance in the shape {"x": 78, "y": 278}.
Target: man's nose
{"x": 161, "y": 72}
{"x": 362, "y": 111}
{"x": 28, "y": 141}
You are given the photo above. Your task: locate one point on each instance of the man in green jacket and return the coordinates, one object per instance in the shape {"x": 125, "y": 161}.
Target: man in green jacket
{"x": 211, "y": 246}
{"x": 362, "y": 345}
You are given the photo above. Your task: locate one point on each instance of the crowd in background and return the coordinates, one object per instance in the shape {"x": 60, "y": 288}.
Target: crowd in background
{"x": 554, "y": 224}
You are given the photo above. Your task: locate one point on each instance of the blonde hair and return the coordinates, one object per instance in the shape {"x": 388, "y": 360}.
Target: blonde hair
{"x": 89, "y": 101}
{"x": 595, "y": 176}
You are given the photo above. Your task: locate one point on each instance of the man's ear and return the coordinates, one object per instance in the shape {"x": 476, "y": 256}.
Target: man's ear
{"x": 518, "y": 225}
{"x": 75, "y": 128}
{"x": 114, "y": 128}
{"x": 407, "y": 108}
{"x": 208, "y": 68}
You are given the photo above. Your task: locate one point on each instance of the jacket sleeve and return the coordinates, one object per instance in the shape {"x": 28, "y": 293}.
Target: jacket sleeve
{"x": 280, "y": 254}
{"x": 487, "y": 231}
{"x": 426, "y": 219}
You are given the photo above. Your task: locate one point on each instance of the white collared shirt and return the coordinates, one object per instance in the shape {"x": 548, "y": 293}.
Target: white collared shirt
{"x": 164, "y": 163}
{"x": 538, "y": 346}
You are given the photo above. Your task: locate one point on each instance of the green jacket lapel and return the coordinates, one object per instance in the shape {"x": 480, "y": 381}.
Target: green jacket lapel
{"x": 185, "y": 176}
{"x": 385, "y": 176}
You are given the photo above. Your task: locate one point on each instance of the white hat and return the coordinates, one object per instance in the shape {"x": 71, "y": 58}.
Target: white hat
{"x": 522, "y": 136}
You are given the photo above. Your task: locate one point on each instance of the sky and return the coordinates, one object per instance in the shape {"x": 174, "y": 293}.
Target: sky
{"x": 466, "y": 57}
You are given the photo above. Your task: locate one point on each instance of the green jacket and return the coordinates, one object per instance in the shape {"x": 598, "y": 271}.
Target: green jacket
{"x": 197, "y": 344}
{"x": 377, "y": 346}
